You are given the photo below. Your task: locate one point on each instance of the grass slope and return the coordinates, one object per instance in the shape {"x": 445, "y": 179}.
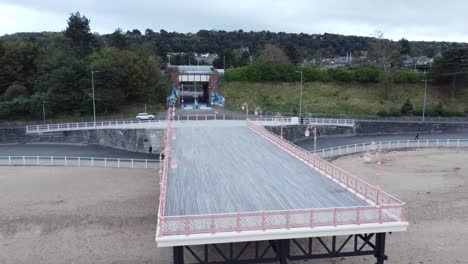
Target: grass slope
{"x": 337, "y": 98}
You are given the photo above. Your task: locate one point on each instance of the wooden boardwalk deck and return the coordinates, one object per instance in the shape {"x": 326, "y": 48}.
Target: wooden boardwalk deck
{"x": 232, "y": 169}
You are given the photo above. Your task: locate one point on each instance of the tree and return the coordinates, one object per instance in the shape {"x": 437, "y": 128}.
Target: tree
{"x": 18, "y": 65}
{"x": 78, "y": 30}
{"x": 450, "y": 66}
{"x": 405, "y": 47}
{"x": 118, "y": 39}
{"x": 2, "y": 49}
{"x": 273, "y": 55}
{"x": 15, "y": 91}
{"x": 386, "y": 53}
{"x": 293, "y": 53}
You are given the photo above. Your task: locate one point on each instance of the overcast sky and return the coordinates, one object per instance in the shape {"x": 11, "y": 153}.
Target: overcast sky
{"x": 413, "y": 19}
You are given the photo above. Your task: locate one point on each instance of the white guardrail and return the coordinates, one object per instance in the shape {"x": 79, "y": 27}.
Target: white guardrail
{"x": 161, "y": 124}
{"x": 395, "y": 144}
{"x": 78, "y": 161}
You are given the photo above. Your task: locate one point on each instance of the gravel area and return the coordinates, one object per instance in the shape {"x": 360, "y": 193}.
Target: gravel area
{"x": 78, "y": 215}
{"x": 433, "y": 184}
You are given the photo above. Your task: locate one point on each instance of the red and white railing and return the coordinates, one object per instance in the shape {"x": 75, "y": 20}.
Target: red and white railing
{"x": 384, "y": 208}
{"x": 164, "y": 167}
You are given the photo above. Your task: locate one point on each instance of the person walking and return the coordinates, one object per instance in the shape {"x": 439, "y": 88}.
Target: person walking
{"x": 417, "y": 136}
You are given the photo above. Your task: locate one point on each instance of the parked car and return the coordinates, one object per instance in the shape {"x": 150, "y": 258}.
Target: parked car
{"x": 144, "y": 116}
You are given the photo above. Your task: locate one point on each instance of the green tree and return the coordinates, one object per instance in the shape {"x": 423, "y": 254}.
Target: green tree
{"x": 118, "y": 39}
{"x": 66, "y": 85}
{"x": 78, "y": 30}
{"x": 15, "y": 91}
{"x": 293, "y": 53}
{"x": 451, "y": 65}
{"x": 405, "y": 47}
{"x": 18, "y": 65}
{"x": 407, "y": 107}
{"x": 274, "y": 55}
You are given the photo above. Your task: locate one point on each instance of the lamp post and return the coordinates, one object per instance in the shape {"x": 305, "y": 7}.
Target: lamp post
{"x": 300, "y": 96}
{"x": 277, "y": 117}
{"x": 92, "y": 87}
{"x": 374, "y": 149}
{"x": 245, "y": 106}
{"x": 307, "y": 134}
{"x": 425, "y": 96}
{"x": 258, "y": 111}
{"x": 44, "y": 101}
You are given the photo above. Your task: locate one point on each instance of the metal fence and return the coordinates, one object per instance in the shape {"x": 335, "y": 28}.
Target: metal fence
{"x": 384, "y": 207}
{"x": 78, "y": 161}
{"x": 160, "y": 124}
{"x": 395, "y": 144}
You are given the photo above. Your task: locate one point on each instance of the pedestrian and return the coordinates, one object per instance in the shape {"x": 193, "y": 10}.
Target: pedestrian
{"x": 417, "y": 136}
{"x": 150, "y": 149}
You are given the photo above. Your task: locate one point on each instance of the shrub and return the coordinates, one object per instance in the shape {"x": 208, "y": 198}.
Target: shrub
{"x": 367, "y": 74}
{"x": 15, "y": 91}
{"x": 406, "y": 76}
{"x": 407, "y": 107}
{"x": 342, "y": 75}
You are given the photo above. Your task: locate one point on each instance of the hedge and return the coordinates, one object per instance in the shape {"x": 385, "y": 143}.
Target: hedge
{"x": 289, "y": 73}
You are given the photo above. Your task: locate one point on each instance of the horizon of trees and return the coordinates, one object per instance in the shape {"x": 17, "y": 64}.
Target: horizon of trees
{"x": 54, "y": 68}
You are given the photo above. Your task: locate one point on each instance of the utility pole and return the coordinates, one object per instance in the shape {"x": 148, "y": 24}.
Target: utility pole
{"x": 224, "y": 62}
{"x": 425, "y": 96}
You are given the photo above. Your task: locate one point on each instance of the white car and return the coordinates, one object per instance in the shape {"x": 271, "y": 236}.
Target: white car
{"x": 144, "y": 116}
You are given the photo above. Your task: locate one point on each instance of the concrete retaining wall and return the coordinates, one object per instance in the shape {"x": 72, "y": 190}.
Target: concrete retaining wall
{"x": 295, "y": 133}
{"x": 138, "y": 140}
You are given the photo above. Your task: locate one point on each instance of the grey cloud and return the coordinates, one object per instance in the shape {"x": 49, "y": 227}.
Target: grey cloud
{"x": 416, "y": 19}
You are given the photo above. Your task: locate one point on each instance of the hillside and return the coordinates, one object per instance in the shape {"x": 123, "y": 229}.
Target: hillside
{"x": 339, "y": 98}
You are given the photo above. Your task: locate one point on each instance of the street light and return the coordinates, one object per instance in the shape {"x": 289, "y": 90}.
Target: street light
{"x": 92, "y": 86}
{"x": 245, "y": 106}
{"x": 374, "y": 149}
{"x": 307, "y": 134}
{"x": 258, "y": 111}
{"x": 425, "y": 96}
{"x": 300, "y": 97}
{"x": 277, "y": 117}
{"x": 44, "y": 101}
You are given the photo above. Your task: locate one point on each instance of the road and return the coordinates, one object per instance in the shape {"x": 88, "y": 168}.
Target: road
{"x": 329, "y": 142}
{"x": 72, "y": 150}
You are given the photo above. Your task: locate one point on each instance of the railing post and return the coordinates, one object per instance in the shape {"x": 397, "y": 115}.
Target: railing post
{"x": 146, "y": 163}
{"x": 334, "y": 217}
{"x": 52, "y": 160}
{"x": 105, "y": 162}
{"x": 263, "y": 221}
{"x": 92, "y": 161}
{"x": 358, "y": 216}
{"x": 118, "y": 162}
{"x": 380, "y": 215}
{"x": 37, "y": 158}
{"x": 132, "y": 163}
{"x": 311, "y": 218}
{"x": 9, "y": 160}
{"x": 65, "y": 161}
{"x": 213, "y": 228}
{"x": 79, "y": 162}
